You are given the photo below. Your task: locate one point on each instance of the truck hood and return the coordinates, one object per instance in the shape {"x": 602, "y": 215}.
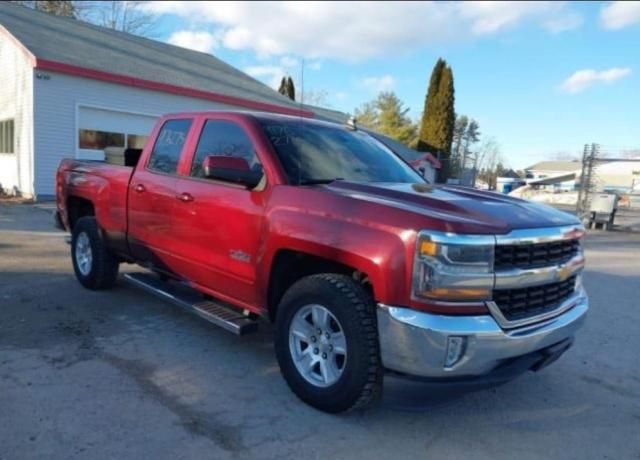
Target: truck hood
{"x": 459, "y": 208}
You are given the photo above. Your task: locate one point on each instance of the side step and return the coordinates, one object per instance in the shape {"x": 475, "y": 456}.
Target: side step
{"x": 216, "y": 312}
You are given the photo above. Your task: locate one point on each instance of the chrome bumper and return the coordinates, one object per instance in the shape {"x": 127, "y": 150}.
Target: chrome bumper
{"x": 416, "y": 343}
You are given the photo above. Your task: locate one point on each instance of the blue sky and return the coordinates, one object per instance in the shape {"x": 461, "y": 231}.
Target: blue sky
{"x": 541, "y": 78}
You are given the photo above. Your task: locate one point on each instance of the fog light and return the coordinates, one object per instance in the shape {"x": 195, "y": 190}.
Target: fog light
{"x": 455, "y": 350}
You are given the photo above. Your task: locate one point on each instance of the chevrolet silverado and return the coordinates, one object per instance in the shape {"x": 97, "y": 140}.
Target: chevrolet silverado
{"x": 364, "y": 268}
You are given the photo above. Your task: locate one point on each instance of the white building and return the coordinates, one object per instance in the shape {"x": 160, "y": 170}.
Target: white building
{"x": 553, "y": 169}
{"x": 71, "y": 89}
{"x": 620, "y": 175}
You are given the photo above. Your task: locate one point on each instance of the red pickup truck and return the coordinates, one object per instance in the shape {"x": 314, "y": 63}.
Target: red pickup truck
{"x": 363, "y": 267}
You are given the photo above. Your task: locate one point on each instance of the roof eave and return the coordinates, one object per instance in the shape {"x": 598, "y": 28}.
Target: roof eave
{"x": 84, "y": 72}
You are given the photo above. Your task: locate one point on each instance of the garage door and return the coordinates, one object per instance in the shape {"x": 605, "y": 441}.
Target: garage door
{"x": 100, "y": 129}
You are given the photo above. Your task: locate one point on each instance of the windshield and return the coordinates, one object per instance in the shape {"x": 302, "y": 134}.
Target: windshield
{"x": 313, "y": 153}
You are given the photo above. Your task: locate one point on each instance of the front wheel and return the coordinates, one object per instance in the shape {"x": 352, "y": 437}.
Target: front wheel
{"x": 326, "y": 343}
{"x": 93, "y": 263}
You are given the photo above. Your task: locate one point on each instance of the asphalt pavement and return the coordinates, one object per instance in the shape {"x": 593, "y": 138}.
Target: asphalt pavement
{"x": 119, "y": 374}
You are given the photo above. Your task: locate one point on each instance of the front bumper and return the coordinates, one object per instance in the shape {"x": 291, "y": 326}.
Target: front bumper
{"x": 415, "y": 343}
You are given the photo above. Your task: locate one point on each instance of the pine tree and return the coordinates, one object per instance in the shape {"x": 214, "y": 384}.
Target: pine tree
{"x": 387, "y": 115}
{"x": 425, "y": 141}
{"x": 438, "y": 119}
{"x": 459, "y": 130}
{"x": 282, "y": 89}
{"x": 367, "y": 115}
{"x": 470, "y": 137}
{"x": 393, "y": 120}
{"x": 290, "y": 89}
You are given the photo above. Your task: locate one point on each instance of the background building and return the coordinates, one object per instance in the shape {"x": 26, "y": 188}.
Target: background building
{"x": 569, "y": 171}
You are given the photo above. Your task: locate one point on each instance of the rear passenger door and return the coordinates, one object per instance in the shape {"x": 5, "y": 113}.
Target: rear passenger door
{"x": 217, "y": 224}
{"x": 152, "y": 196}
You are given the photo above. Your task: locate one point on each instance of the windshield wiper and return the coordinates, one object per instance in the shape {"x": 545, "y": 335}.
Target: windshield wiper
{"x": 318, "y": 181}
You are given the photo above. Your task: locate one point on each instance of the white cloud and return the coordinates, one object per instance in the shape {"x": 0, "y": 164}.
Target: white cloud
{"x": 196, "y": 40}
{"x": 563, "y": 22}
{"x": 288, "y": 61}
{"x": 270, "y": 74}
{"x": 583, "y": 79}
{"x": 617, "y": 15}
{"x": 315, "y": 65}
{"x": 351, "y": 32}
{"x": 491, "y": 17}
{"x": 377, "y": 84}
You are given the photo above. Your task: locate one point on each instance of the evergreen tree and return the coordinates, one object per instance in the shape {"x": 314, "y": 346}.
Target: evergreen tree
{"x": 438, "y": 119}
{"x": 393, "y": 120}
{"x": 282, "y": 89}
{"x": 387, "y": 115}
{"x": 367, "y": 115}
{"x": 290, "y": 89}
{"x": 470, "y": 137}
{"x": 459, "y": 130}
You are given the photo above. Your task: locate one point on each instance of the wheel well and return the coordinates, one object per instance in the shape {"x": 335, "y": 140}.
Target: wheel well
{"x": 77, "y": 208}
{"x": 290, "y": 266}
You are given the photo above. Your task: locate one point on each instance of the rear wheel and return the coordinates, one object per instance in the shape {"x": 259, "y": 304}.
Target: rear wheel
{"x": 93, "y": 263}
{"x": 327, "y": 343}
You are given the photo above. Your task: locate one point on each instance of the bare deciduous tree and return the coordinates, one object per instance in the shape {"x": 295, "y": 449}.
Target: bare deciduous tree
{"x": 65, "y": 8}
{"x": 125, "y": 16}
{"x": 316, "y": 97}
{"x": 487, "y": 161}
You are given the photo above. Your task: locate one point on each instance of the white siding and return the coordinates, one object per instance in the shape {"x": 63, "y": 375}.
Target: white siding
{"x": 16, "y": 101}
{"x": 60, "y": 98}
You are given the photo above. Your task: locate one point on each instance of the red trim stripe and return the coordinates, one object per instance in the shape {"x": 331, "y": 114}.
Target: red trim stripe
{"x": 54, "y": 66}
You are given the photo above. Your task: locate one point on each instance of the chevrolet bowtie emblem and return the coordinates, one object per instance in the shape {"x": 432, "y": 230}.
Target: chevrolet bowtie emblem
{"x": 564, "y": 273}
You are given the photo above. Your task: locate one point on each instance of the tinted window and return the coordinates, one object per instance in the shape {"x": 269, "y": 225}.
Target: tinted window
{"x": 317, "y": 152}
{"x": 166, "y": 151}
{"x": 223, "y": 138}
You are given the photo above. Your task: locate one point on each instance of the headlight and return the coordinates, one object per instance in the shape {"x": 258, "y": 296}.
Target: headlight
{"x": 453, "y": 267}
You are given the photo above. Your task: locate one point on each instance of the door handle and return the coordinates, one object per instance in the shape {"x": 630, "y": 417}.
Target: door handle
{"x": 185, "y": 197}
{"x": 139, "y": 188}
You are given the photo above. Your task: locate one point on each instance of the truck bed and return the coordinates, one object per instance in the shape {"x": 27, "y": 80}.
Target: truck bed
{"x": 103, "y": 186}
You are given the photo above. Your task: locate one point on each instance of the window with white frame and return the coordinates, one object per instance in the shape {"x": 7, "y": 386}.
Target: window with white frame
{"x": 6, "y": 136}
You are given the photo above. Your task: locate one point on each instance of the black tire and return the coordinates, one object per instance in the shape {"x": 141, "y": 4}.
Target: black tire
{"x": 360, "y": 383}
{"x": 103, "y": 271}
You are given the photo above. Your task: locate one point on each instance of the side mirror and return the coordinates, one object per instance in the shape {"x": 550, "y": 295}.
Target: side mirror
{"x": 230, "y": 169}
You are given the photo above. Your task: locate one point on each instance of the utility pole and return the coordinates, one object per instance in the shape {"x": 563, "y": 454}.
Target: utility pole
{"x": 582, "y": 177}
{"x": 587, "y": 180}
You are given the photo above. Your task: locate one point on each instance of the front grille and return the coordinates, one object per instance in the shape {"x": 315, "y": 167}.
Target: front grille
{"x": 535, "y": 255}
{"x": 524, "y": 303}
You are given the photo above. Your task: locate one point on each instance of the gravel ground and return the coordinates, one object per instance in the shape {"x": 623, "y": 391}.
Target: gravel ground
{"x": 122, "y": 375}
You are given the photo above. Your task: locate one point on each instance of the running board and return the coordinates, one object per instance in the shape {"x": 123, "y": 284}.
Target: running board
{"x": 216, "y": 312}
